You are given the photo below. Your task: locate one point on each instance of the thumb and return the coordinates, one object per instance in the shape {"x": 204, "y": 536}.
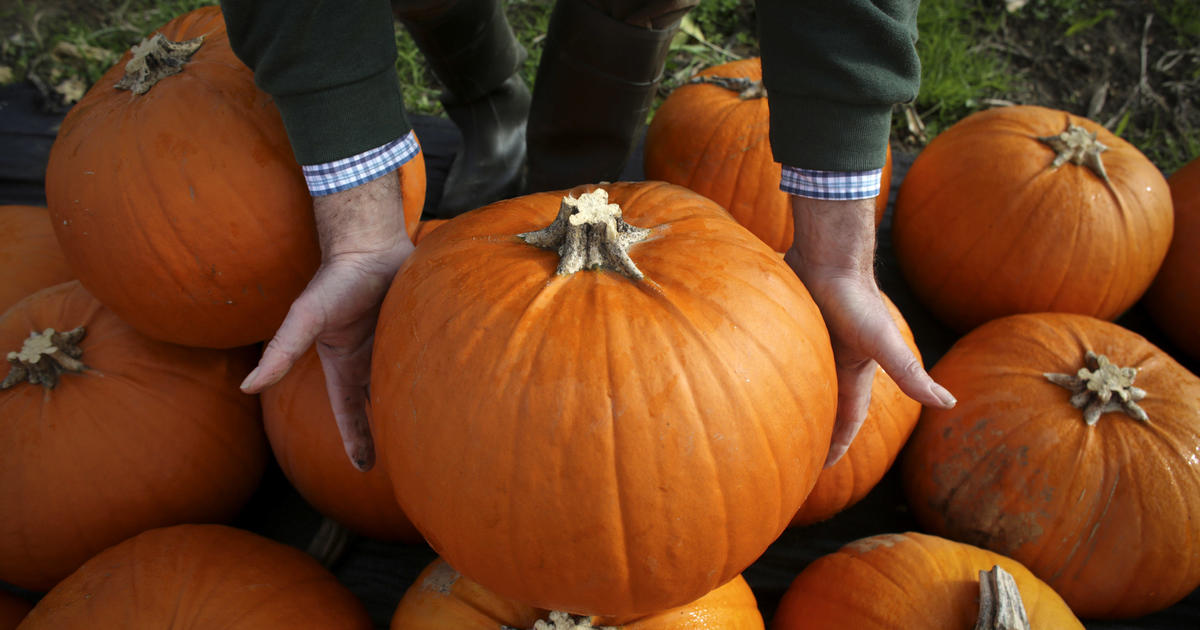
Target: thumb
{"x": 299, "y": 329}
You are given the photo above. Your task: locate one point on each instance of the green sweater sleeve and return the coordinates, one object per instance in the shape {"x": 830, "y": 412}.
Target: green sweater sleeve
{"x": 329, "y": 66}
{"x": 833, "y": 70}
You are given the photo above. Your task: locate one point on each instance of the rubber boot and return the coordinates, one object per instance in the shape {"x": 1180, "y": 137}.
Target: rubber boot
{"x": 475, "y": 55}
{"x": 595, "y": 85}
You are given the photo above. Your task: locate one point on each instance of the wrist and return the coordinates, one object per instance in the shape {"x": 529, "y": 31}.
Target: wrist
{"x": 833, "y": 236}
{"x": 366, "y": 219}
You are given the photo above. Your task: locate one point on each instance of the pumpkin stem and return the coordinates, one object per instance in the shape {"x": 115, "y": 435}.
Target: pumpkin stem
{"x": 558, "y": 620}
{"x": 1078, "y": 146}
{"x": 588, "y": 233}
{"x": 329, "y": 543}
{"x": 1000, "y": 605}
{"x": 44, "y": 356}
{"x": 1100, "y": 387}
{"x": 746, "y": 88}
{"x": 155, "y": 59}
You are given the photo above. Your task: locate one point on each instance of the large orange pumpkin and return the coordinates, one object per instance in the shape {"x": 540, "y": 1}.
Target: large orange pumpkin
{"x": 1027, "y": 209}
{"x": 442, "y": 598}
{"x": 308, "y": 447}
{"x": 182, "y": 208}
{"x": 613, "y": 431}
{"x": 891, "y": 418}
{"x": 1101, "y": 500}
{"x": 909, "y": 581}
{"x": 1174, "y": 299}
{"x": 710, "y": 135}
{"x": 147, "y": 434}
{"x": 200, "y": 576}
{"x": 30, "y": 258}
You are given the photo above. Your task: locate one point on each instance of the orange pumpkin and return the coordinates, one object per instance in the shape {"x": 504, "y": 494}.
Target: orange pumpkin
{"x": 30, "y": 258}
{"x": 909, "y": 581}
{"x": 712, "y": 138}
{"x": 146, "y": 434}
{"x": 1173, "y": 301}
{"x": 425, "y": 227}
{"x": 1102, "y": 501}
{"x": 569, "y": 430}
{"x": 1026, "y": 209}
{"x": 891, "y": 418}
{"x": 200, "y": 576}
{"x": 442, "y": 598}
{"x": 182, "y": 208}
{"x": 12, "y": 610}
{"x": 308, "y": 447}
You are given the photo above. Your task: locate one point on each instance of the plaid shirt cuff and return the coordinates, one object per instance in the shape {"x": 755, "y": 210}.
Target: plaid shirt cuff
{"x": 831, "y": 184}
{"x": 346, "y": 173}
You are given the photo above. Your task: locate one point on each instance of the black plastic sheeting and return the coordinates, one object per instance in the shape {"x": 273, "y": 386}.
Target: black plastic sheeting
{"x": 380, "y": 572}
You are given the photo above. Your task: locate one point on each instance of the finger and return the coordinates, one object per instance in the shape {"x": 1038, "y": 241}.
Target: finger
{"x": 853, "y": 401}
{"x": 299, "y": 329}
{"x": 346, "y": 377}
{"x": 898, "y": 360}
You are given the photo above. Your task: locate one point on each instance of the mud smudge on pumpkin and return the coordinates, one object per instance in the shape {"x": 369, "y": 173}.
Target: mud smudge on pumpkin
{"x": 441, "y": 579}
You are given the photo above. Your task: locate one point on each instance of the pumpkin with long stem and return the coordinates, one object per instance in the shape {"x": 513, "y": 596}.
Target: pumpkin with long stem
{"x": 1027, "y": 209}
{"x": 710, "y": 135}
{"x": 30, "y": 258}
{"x": 176, "y": 197}
{"x": 443, "y": 598}
{"x": 1073, "y": 449}
{"x": 1173, "y": 301}
{"x": 914, "y": 581}
{"x": 606, "y": 403}
{"x": 107, "y": 433}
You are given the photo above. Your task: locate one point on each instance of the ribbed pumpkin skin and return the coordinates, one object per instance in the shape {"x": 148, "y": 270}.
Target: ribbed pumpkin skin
{"x": 1174, "y": 299}
{"x": 908, "y": 581}
{"x": 425, "y": 227}
{"x": 708, "y": 139}
{"x": 573, "y": 441}
{"x": 183, "y": 209}
{"x": 152, "y": 434}
{"x": 442, "y": 598}
{"x": 1109, "y": 514}
{"x": 308, "y": 447}
{"x": 891, "y": 418}
{"x": 30, "y": 258}
{"x": 983, "y": 227}
{"x": 200, "y": 576}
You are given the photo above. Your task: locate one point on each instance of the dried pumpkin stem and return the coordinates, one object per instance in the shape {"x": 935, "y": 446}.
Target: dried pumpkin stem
{"x": 44, "y": 356}
{"x": 1000, "y": 605}
{"x": 1078, "y": 146}
{"x": 1100, "y": 387}
{"x": 155, "y": 59}
{"x": 588, "y": 233}
{"x": 746, "y": 88}
{"x": 558, "y": 620}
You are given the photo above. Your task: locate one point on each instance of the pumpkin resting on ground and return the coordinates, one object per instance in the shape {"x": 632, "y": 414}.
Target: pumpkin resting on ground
{"x": 441, "y": 598}
{"x": 909, "y": 581}
{"x": 146, "y": 434}
{"x": 710, "y": 135}
{"x": 200, "y": 576}
{"x": 1072, "y": 449}
{"x": 1174, "y": 299}
{"x": 569, "y": 430}
{"x": 181, "y": 207}
{"x": 1026, "y": 209}
{"x": 30, "y": 258}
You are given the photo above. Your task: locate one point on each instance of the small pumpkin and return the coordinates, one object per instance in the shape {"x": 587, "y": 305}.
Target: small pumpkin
{"x": 107, "y": 433}
{"x": 914, "y": 581}
{"x": 1072, "y": 449}
{"x": 442, "y": 598}
{"x": 176, "y": 198}
{"x": 710, "y": 135}
{"x": 570, "y": 412}
{"x": 891, "y": 418}
{"x": 30, "y": 258}
{"x": 200, "y": 576}
{"x": 305, "y": 440}
{"x": 1027, "y": 209}
{"x": 1173, "y": 301}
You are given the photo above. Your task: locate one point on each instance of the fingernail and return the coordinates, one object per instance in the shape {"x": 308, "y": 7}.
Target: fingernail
{"x": 944, "y": 396}
{"x": 835, "y": 453}
{"x": 249, "y": 379}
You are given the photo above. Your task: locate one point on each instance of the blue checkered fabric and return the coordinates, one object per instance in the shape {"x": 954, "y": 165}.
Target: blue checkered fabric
{"x": 839, "y": 185}
{"x": 346, "y": 173}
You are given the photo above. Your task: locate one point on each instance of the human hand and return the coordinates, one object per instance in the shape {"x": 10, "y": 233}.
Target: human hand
{"x": 833, "y": 253}
{"x": 363, "y": 242}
